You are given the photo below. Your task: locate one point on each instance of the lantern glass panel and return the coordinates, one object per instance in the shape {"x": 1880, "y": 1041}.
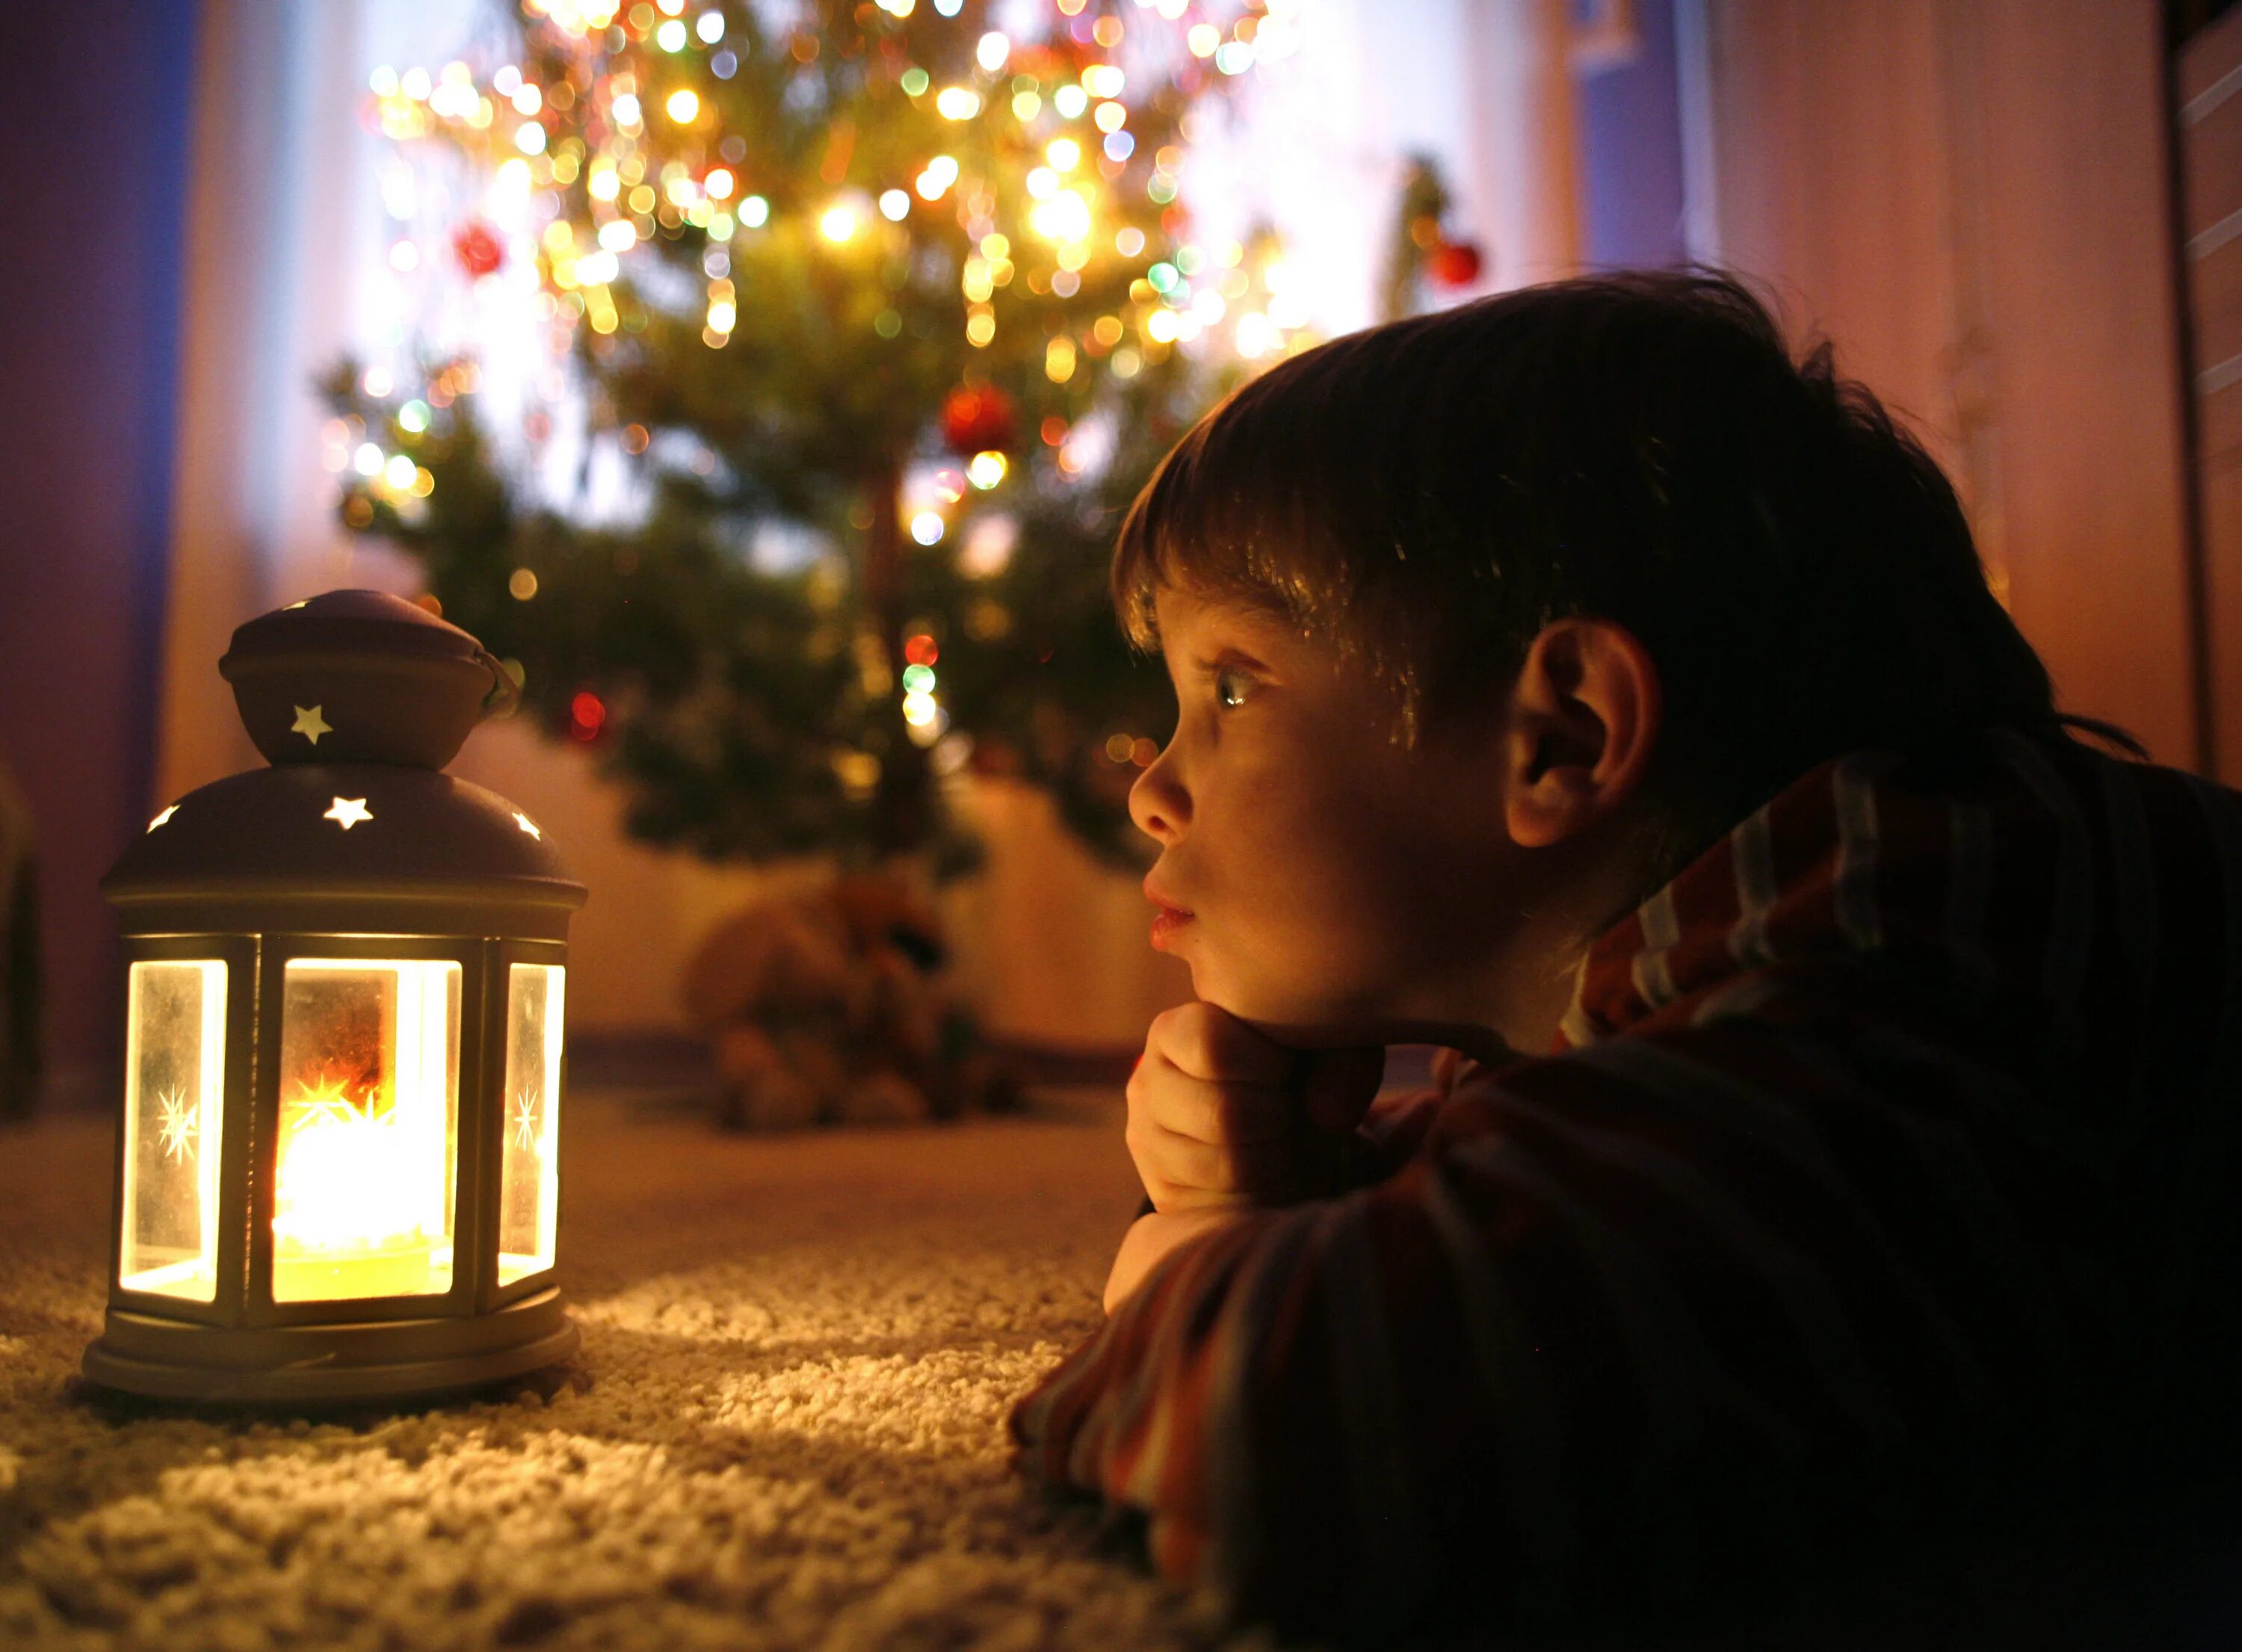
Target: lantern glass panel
{"x": 174, "y": 1108}
{"x": 529, "y": 1178}
{"x": 369, "y": 1133}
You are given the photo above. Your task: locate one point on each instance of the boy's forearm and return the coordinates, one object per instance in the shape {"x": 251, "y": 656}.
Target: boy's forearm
{"x": 1150, "y": 1237}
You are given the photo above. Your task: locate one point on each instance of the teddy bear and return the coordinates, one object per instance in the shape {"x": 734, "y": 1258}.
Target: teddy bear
{"x": 828, "y": 1007}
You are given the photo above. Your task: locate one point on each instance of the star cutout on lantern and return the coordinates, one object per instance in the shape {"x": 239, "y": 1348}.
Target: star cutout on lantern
{"x": 322, "y": 1103}
{"x": 310, "y": 724}
{"x": 527, "y": 824}
{"x": 347, "y": 813}
{"x": 176, "y": 1124}
{"x": 168, "y": 812}
{"x": 524, "y": 1120}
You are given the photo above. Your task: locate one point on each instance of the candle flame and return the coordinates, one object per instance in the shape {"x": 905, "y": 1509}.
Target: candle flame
{"x": 335, "y": 1186}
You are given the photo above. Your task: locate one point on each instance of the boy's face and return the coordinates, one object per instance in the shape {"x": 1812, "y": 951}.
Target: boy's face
{"x": 1336, "y": 879}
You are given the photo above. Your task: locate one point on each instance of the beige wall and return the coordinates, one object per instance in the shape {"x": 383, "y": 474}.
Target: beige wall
{"x": 1970, "y": 197}
{"x": 1049, "y": 947}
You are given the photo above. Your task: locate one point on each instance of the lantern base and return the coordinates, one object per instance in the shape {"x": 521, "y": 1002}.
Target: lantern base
{"x": 327, "y": 1364}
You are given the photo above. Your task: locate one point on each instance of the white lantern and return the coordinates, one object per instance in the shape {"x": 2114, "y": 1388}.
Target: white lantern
{"x": 338, "y": 1170}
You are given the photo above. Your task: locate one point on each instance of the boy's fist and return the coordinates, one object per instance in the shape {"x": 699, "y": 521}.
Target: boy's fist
{"x": 1222, "y": 1116}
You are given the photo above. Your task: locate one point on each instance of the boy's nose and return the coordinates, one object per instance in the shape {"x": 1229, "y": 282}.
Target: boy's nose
{"x": 1157, "y": 804}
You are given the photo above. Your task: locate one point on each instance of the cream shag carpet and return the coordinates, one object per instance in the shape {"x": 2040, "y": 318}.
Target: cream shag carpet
{"x": 784, "y": 1429}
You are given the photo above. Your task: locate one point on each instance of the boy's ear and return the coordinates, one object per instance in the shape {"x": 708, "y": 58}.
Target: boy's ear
{"x": 1582, "y": 721}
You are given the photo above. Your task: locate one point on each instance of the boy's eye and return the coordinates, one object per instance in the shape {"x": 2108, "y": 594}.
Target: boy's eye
{"x": 1231, "y": 686}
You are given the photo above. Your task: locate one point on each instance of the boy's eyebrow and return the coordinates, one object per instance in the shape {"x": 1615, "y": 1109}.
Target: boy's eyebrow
{"x": 1228, "y": 655}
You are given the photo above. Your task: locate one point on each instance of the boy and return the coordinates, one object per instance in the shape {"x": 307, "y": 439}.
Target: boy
{"x": 1834, "y": 1131}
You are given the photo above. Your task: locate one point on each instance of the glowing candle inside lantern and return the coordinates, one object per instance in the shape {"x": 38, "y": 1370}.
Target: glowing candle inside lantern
{"x": 362, "y": 1199}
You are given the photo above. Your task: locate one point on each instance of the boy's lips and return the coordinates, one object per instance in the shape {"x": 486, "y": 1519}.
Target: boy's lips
{"x": 1167, "y": 921}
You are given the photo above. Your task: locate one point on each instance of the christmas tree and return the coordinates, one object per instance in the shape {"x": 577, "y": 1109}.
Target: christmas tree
{"x": 880, "y": 280}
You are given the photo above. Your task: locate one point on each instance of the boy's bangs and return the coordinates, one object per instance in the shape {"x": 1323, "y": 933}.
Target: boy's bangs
{"x": 1239, "y": 514}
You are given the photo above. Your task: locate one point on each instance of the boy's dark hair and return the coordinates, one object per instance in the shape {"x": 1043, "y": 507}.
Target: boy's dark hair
{"x": 1639, "y": 446}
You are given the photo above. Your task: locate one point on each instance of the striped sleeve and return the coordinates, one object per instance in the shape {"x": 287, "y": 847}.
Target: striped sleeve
{"x": 1390, "y": 1134}
{"x": 1630, "y": 1317}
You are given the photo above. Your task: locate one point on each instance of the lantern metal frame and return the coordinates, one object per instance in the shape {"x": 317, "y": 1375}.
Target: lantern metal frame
{"x": 243, "y": 1346}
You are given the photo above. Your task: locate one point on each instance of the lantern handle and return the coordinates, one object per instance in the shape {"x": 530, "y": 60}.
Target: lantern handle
{"x": 505, "y": 693}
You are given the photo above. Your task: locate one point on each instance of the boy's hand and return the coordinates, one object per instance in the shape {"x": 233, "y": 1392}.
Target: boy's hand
{"x": 1223, "y": 1117}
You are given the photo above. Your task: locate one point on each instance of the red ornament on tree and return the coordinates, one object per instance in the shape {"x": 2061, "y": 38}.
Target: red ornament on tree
{"x": 979, "y": 417}
{"x": 587, "y": 712}
{"x": 1454, "y": 264}
{"x": 479, "y": 251}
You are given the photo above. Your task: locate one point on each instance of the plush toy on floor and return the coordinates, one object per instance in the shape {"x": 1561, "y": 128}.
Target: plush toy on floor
{"x": 828, "y": 1008}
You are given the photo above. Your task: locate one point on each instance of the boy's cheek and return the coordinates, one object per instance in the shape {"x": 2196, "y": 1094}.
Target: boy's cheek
{"x": 1294, "y": 957}
{"x": 1307, "y": 899}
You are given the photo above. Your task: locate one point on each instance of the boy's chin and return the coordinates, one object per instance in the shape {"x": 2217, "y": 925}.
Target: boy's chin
{"x": 1290, "y": 1012}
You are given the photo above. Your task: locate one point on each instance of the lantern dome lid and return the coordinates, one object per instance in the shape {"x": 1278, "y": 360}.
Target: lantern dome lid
{"x": 342, "y": 831}
{"x": 361, "y": 677}
{"x": 358, "y": 699}
{"x": 348, "y": 621}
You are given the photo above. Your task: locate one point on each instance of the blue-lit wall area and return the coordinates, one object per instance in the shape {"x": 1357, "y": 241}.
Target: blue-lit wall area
{"x": 1630, "y": 134}
{"x": 94, "y": 139}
